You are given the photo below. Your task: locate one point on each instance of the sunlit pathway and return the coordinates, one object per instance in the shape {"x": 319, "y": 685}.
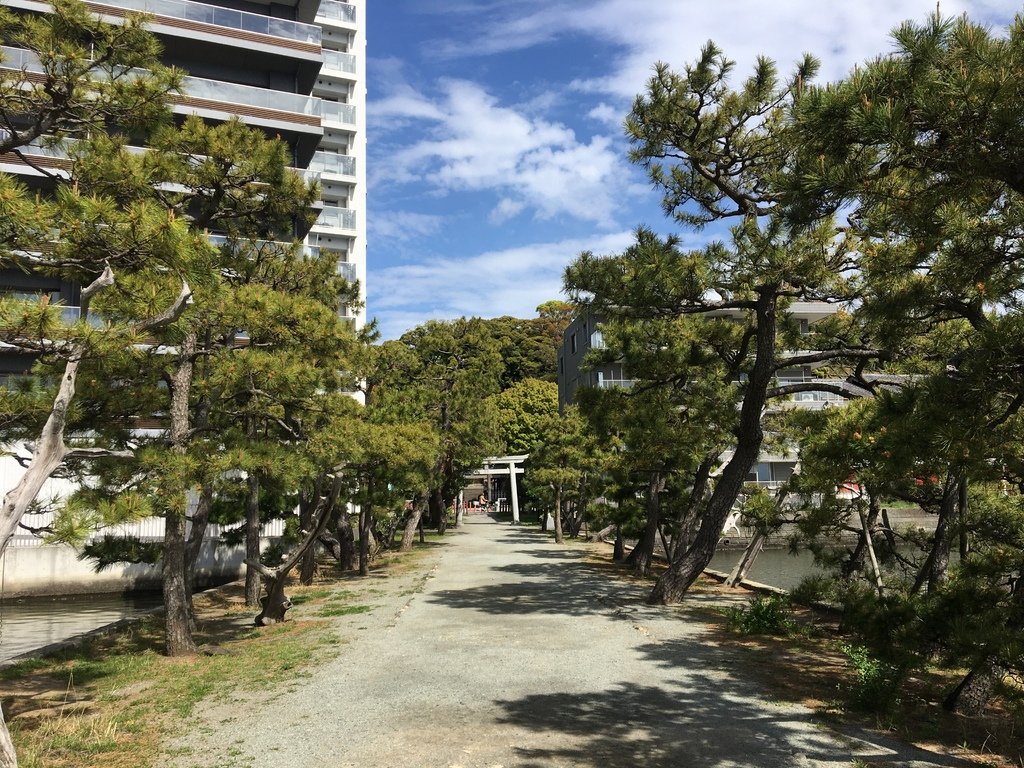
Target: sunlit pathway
{"x": 518, "y": 653}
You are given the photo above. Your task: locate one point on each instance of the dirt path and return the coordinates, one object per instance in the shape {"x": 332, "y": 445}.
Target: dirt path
{"x": 517, "y": 652}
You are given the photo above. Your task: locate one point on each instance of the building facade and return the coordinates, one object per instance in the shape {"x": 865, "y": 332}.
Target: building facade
{"x": 294, "y": 69}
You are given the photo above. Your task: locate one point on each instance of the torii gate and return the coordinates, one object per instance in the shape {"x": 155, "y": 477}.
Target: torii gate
{"x": 504, "y": 465}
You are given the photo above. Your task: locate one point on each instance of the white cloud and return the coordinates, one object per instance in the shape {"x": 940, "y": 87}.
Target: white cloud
{"x": 470, "y": 142}
{"x": 403, "y": 225}
{"x": 607, "y": 114}
{"x": 512, "y": 281}
{"x": 640, "y": 33}
{"x": 506, "y": 209}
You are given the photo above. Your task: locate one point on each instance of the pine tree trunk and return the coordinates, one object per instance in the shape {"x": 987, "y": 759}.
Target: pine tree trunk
{"x": 559, "y": 537}
{"x": 974, "y": 692}
{"x": 252, "y": 539}
{"x": 364, "y": 531}
{"x": 643, "y": 553}
{"x": 412, "y": 524}
{"x": 275, "y": 604}
{"x": 346, "y": 540}
{"x": 619, "y": 548}
{"x": 177, "y": 617}
{"x": 692, "y": 561}
{"x": 935, "y": 570}
{"x": 307, "y": 567}
{"x": 8, "y": 757}
{"x": 739, "y": 573}
{"x": 194, "y": 544}
{"x": 602, "y": 534}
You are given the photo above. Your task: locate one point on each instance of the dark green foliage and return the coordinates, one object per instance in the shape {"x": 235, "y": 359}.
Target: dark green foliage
{"x": 764, "y": 615}
{"x": 111, "y": 550}
{"x": 876, "y": 683}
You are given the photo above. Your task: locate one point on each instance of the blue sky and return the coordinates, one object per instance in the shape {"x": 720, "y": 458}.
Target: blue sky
{"x": 496, "y": 151}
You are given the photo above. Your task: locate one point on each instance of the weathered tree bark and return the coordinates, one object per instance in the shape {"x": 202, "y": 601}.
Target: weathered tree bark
{"x": 619, "y": 548}
{"x": 49, "y": 450}
{"x": 307, "y": 567}
{"x": 559, "y": 537}
{"x": 347, "y": 539}
{"x": 692, "y": 561}
{"x": 935, "y": 570}
{"x": 275, "y": 603}
{"x": 739, "y": 573}
{"x": 252, "y": 539}
{"x": 869, "y": 544}
{"x": 643, "y": 553}
{"x": 962, "y": 509}
{"x": 438, "y": 517}
{"x": 194, "y": 544}
{"x": 973, "y": 693}
{"x": 412, "y": 524}
{"x": 365, "y": 514}
{"x": 177, "y": 616}
{"x": 602, "y": 534}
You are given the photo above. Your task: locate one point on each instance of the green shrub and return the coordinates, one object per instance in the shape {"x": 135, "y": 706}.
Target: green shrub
{"x": 764, "y": 615}
{"x": 877, "y": 683}
{"x": 816, "y": 588}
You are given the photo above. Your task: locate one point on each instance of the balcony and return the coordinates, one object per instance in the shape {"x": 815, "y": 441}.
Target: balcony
{"x": 216, "y": 91}
{"x": 333, "y": 163}
{"x": 262, "y": 98}
{"x": 605, "y": 383}
{"x": 243, "y": 21}
{"x": 348, "y": 271}
{"x": 308, "y": 251}
{"x": 335, "y": 11}
{"x": 333, "y": 217}
{"x": 333, "y": 112}
{"x": 339, "y": 62}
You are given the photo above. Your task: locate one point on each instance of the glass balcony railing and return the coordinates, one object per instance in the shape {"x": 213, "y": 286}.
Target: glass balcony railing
{"x": 233, "y": 93}
{"x": 334, "y": 112}
{"x": 226, "y": 17}
{"x": 19, "y": 58}
{"x": 337, "y": 218}
{"x": 215, "y": 90}
{"x": 340, "y": 62}
{"x": 331, "y": 9}
{"x": 331, "y": 162}
{"x": 348, "y": 271}
{"x": 307, "y": 250}
{"x": 605, "y": 383}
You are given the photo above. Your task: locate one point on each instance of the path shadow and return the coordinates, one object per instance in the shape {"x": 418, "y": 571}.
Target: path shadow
{"x": 701, "y": 718}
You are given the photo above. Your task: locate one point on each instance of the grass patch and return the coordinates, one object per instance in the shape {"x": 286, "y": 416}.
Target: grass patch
{"x": 112, "y": 701}
{"x": 344, "y": 610}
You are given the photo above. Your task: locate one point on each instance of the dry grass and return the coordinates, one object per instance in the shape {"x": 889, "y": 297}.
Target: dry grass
{"x": 111, "y": 702}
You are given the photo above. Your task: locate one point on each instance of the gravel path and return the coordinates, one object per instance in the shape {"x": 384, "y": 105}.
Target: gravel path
{"x": 516, "y": 652}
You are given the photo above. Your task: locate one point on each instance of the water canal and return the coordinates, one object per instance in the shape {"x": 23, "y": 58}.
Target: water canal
{"x": 34, "y": 622}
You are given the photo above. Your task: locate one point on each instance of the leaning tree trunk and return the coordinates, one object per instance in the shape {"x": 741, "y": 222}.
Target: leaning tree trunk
{"x": 252, "y": 539}
{"x": 643, "y": 553}
{"x": 739, "y": 573}
{"x": 412, "y": 524}
{"x": 974, "y": 692}
{"x": 688, "y": 566}
{"x": 275, "y": 603}
{"x": 935, "y": 570}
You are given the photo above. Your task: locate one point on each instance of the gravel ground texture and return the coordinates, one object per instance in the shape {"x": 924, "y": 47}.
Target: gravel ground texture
{"x": 518, "y": 652}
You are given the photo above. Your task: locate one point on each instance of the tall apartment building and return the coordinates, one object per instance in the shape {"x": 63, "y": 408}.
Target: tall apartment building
{"x": 294, "y": 69}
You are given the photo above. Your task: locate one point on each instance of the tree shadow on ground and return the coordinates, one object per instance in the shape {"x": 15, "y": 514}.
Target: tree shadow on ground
{"x": 705, "y": 720}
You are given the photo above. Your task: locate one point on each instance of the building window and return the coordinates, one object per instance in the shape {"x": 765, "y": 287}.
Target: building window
{"x": 572, "y": 343}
